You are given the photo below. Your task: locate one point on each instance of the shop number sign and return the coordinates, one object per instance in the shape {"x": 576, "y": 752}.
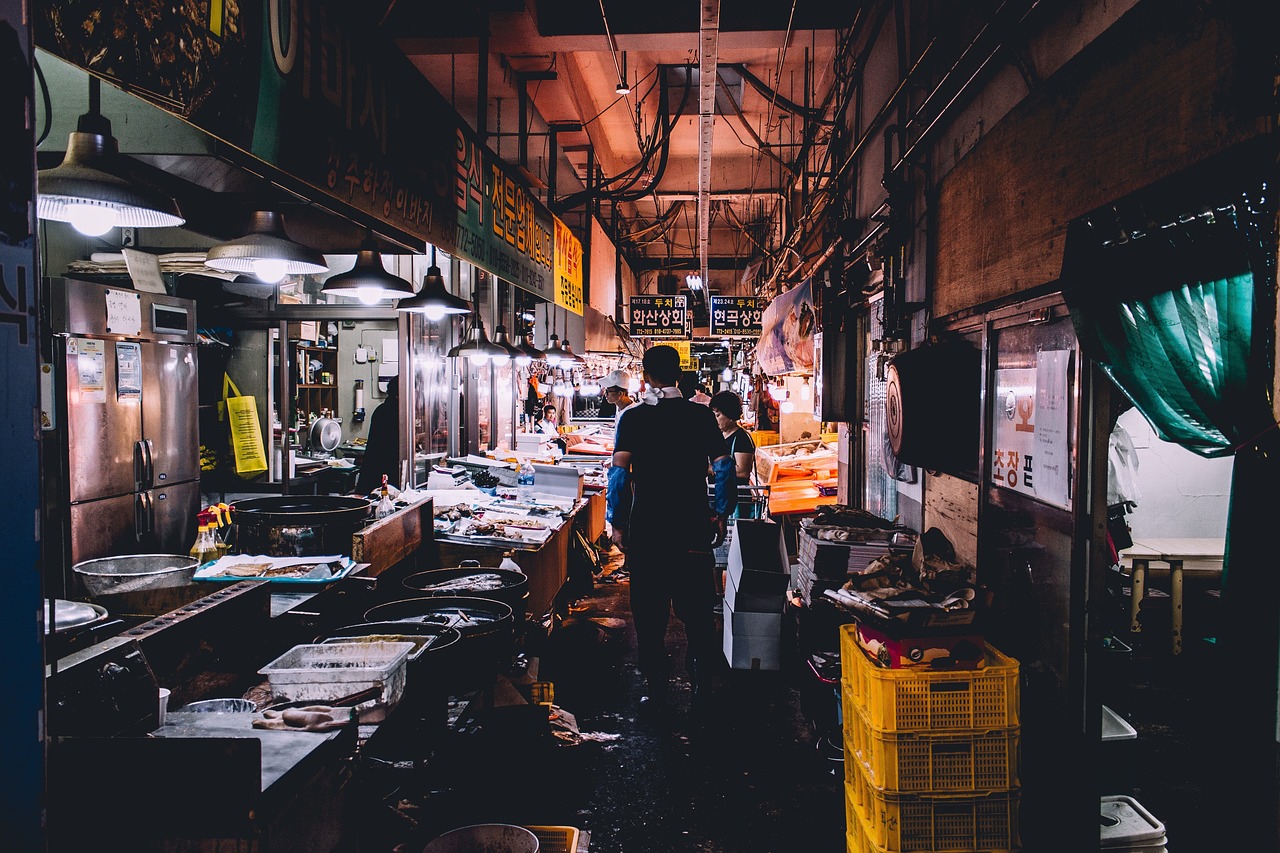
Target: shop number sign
{"x": 658, "y": 316}
{"x": 1032, "y": 439}
{"x": 736, "y": 316}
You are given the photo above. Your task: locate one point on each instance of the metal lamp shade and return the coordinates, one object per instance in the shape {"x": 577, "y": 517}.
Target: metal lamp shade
{"x": 266, "y": 241}
{"x": 84, "y": 179}
{"x": 530, "y": 350}
{"x": 477, "y": 343}
{"x": 367, "y": 279}
{"x": 500, "y": 339}
{"x": 434, "y": 299}
{"x": 570, "y": 355}
{"x": 555, "y": 353}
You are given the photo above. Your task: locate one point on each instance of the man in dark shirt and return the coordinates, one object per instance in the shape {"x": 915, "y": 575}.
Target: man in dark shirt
{"x": 382, "y": 450}
{"x": 662, "y": 450}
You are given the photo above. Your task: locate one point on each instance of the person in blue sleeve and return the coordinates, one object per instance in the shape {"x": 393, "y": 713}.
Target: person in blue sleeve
{"x": 657, "y": 508}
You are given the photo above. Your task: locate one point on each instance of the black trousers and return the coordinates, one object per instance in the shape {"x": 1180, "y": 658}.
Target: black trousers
{"x": 663, "y": 581}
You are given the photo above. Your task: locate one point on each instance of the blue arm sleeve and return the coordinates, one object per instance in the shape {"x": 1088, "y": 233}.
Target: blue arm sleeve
{"x": 726, "y": 486}
{"x": 618, "y": 507}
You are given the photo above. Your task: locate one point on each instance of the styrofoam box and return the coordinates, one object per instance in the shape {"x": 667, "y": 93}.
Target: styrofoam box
{"x": 324, "y": 672}
{"x": 755, "y": 602}
{"x": 752, "y": 640}
{"x": 758, "y": 560}
{"x": 1116, "y": 727}
{"x": 562, "y": 480}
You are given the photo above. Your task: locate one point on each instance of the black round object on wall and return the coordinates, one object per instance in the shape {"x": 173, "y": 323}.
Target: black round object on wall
{"x": 933, "y": 406}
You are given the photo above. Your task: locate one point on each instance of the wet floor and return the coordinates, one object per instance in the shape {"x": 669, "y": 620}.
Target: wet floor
{"x": 743, "y": 775}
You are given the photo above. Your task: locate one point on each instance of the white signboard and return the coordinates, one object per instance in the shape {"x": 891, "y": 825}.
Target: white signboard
{"x": 1032, "y": 444}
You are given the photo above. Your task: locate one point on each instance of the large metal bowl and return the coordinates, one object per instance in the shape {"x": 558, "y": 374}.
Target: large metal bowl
{"x": 135, "y": 572}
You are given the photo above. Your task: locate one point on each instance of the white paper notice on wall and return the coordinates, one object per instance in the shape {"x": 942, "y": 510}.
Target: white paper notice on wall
{"x": 1052, "y": 436}
{"x": 144, "y": 269}
{"x": 390, "y": 350}
{"x": 128, "y": 371}
{"x": 124, "y": 312}
{"x": 91, "y": 368}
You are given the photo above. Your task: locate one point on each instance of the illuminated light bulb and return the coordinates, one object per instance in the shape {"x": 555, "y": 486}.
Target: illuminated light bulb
{"x": 270, "y": 270}
{"x": 434, "y": 313}
{"x": 787, "y": 407}
{"x": 524, "y": 360}
{"x": 777, "y": 393}
{"x": 479, "y": 359}
{"x": 91, "y": 220}
{"x": 499, "y": 360}
{"x": 369, "y": 295}
{"x": 804, "y": 391}
{"x": 727, "y": 375}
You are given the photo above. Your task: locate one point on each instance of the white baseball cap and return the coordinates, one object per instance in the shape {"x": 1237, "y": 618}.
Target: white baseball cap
{"x": 617, "y": 379}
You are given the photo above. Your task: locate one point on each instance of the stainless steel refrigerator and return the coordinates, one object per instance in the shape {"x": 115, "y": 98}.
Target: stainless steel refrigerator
{"x": 122, "y": 454}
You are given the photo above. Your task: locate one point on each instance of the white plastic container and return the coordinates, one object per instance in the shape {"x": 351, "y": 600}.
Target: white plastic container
{"x": 1128, "y": 827}
{"x": 327, "y": 672}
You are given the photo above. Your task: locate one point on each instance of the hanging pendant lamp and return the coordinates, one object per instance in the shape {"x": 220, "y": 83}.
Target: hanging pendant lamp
{"x": 434, "y": 301}
{"x": 500, "y": 339}
{"x": 476, "y": 345}
{"x": 554, "y": 353}
{"x": 571, "y": 355}
{"x": 368, "y": 280}
{"x": 85, "y": 189}
{"x": 530, "y": 350}
{"x": 266, "y": 252}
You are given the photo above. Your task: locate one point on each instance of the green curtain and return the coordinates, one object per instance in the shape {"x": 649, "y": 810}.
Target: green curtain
{"x": 1180, "y": 318}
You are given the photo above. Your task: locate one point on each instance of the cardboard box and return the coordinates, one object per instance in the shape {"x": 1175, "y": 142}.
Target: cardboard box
{"x": 934, "y": 651}
{"x": 308, "y": 330}
{"x": 562, "y": 480}
{"x": 758, "y": 562}
{"x": 752, "y": 640}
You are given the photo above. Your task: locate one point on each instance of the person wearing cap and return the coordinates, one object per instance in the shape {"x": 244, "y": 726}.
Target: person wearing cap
{"x": 617, "y": 392}
{"x": 657, "y": 507}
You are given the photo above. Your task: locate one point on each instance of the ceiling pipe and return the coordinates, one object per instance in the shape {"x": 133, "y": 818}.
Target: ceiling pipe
{"x": 708, "y": 57}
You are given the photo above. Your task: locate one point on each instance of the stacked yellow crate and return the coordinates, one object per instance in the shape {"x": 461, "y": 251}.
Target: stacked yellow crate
{"x": 930, "y": 757}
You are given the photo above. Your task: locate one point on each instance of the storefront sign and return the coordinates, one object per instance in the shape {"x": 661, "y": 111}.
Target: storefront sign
{"x": 659, "y": 316}
{"x": 686, "y": 356}
{"x": 1031, "y": 453}
{"x": 736, "y": 316}
{"x": 501, "y": 226}
{"x": 568, "y": 265}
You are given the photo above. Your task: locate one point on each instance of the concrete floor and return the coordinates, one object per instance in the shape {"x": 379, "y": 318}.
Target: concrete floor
{"x": 747, "y": 776}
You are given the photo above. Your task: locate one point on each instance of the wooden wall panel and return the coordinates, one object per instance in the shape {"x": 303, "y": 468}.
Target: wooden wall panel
{"x": 951, "y": 505}
{"x": 1140, "y": 103}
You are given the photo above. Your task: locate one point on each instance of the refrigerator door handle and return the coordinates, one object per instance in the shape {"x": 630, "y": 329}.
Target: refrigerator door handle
{"x": 150, "y": 470}
{"x": 141, "y": 519}
{"x": 140, "y": 465}
{"x": 151, "y": 513}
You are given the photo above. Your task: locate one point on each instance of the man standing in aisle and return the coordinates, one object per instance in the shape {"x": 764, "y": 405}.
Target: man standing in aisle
{"x": 657, "y": 507}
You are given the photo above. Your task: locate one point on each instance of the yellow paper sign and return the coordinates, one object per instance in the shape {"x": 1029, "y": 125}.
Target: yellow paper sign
{"x": 568, "y": 268}
{"x": 686, "y": 359}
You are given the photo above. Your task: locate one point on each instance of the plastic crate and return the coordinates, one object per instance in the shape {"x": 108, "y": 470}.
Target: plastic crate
{"x": 325, "y": 672}
{"x": 902, "y": 700}
{"x": 915, "y": 762}
{"x": 556, "y": 839}
{"x": 915, "y": 823}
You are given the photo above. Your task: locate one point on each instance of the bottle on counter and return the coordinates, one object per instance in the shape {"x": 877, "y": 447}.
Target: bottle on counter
{"x": 524, "y": 482}
{"x": 385, "y": 505}
{"x": 205, "y": 548}
{"x": 509, "y": 563}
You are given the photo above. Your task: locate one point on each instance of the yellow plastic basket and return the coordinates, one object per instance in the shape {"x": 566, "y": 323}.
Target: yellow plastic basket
{"x": 556, "y": 839}
{"x": 907, "y": 700}
{"x": 914, "y": 823}
{"x": 915, "y": 762}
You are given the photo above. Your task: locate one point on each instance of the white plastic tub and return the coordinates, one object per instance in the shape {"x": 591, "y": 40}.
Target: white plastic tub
{"x": 327, "y": 672}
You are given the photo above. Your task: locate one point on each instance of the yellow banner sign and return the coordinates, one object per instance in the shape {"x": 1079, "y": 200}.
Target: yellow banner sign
{"x": 568, "y": 268}
{"x": 686, "y": 359}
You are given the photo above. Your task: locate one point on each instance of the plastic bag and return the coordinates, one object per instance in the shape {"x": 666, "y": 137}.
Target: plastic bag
{"x": 246, "y": 432}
